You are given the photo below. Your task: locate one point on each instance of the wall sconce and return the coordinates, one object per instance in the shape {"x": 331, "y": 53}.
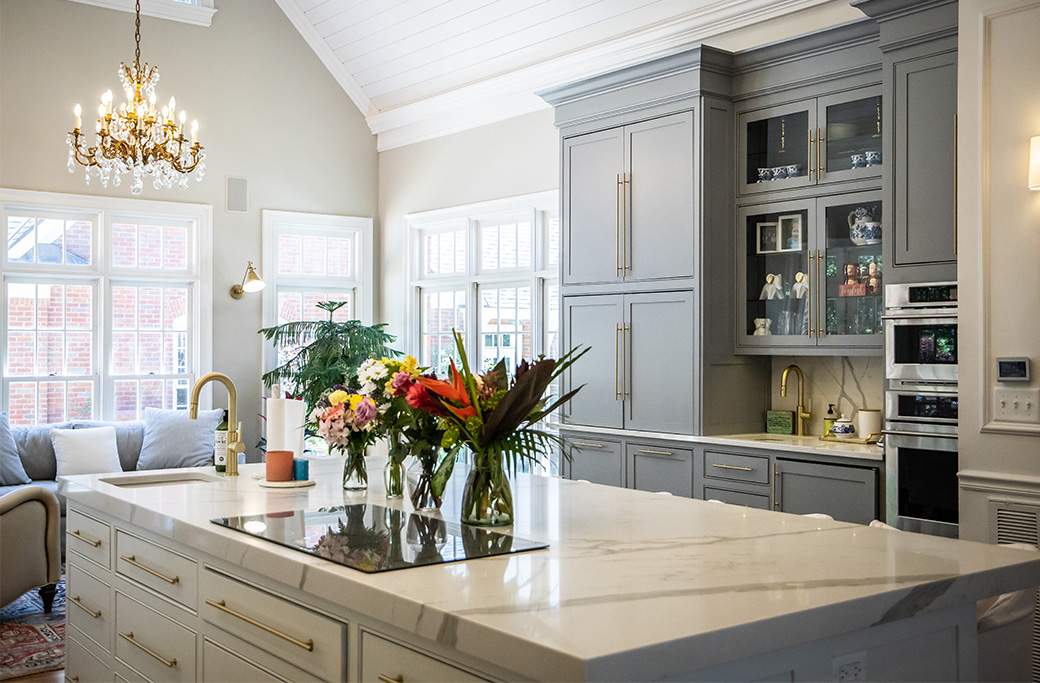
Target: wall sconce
{"x": 251, "y": 282}
{"x": 1034, "y": 163}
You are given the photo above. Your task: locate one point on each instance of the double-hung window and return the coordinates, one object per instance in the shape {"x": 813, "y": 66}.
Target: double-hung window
{"x": 490, "y": 273}
{"x": 102, "y": 307}
{"x": 309, "y": 259}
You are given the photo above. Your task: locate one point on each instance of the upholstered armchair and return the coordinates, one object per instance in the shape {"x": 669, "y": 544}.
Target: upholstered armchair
{"x": 30, "y": 556}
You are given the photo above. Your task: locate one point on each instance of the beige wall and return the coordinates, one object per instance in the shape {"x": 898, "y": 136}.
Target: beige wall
{"x": 268, "y": 111}
{"x": 999, "y": 247}
{"x": 507, "y": 159}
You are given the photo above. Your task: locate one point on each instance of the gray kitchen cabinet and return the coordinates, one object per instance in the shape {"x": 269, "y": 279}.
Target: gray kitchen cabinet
{"x": 627, "y": 191}
{"x": 626, "y": 383}
{"x": 771, "y": 480}
{"x": 832, "y": 138}
{"x": 846, "y": 493}
{"x": 600, "y": 461}
{"x": 654, "y": 466}
{"x": 810, "y": 276}
{"x": 919, "y": 55}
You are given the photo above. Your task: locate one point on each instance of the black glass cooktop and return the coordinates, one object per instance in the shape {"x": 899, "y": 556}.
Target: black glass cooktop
{"x": 373, "y": 538}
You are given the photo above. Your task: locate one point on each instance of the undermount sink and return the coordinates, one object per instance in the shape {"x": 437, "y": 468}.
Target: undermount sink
{"x": 158, "y": 479}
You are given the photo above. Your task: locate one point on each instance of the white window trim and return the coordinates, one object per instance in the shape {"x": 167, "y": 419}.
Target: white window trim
{"x": 467, "y": 216}
{"x": 200, "y": 14}
{"x": 364, "y": 262}
{"x": 202, "y": 339}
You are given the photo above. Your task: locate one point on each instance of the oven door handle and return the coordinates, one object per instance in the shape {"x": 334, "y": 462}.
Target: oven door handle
{"x": 923, "y": 435}
{"x": 940, "y": 315}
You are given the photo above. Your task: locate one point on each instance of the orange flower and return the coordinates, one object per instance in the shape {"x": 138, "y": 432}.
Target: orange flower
{"x": 455, "y": 392}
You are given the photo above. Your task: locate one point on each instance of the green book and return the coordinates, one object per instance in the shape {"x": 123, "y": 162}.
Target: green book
{"x": 779, "y": 422}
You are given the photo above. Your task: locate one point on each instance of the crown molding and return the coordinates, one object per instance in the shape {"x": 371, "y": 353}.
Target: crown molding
{"x": 326, "y": 55}
{"x": 198, "y": 15}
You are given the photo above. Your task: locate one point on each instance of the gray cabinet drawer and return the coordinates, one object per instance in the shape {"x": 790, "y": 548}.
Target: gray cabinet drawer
{"x": 306, "y": 639}
{"x": 745, "y": 498}
{"x": 736, "y": 467}
{"x": 653, "y": 467}
{"x": 596, "y": 460}
{"x": 89, "y": 605}
{"x": 89, "y": 537}
{"x": 167, "y": 572}
{"x": 153, "y": 644}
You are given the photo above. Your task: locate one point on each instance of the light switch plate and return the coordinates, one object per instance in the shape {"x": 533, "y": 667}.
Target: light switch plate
{"x": 1016, "y": 405}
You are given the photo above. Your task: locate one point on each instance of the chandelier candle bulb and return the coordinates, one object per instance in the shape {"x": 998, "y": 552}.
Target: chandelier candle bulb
{"x": 78, "y": 110}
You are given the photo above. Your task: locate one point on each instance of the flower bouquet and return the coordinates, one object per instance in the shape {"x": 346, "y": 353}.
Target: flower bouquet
{"x": 346, "y": 420}
{"x": 410, "y": 430}
{"x": 496, "y": 417}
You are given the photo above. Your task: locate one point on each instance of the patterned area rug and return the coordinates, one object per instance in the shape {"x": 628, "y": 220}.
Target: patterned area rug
{"x": 30, "y": 641}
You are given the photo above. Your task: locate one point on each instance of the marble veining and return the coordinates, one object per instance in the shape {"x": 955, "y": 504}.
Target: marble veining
{"x": 625, "y": 572}
{"x": 849, "y": 382}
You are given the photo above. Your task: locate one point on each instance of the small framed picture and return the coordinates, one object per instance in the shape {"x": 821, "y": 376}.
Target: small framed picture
{"x": 767, "y": 238}
{"x": 789, "y": 233}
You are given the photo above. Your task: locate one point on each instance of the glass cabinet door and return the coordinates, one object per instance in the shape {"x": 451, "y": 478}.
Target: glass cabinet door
{"x": 777, "y": 295}
{"x": 852, "y": 285}
{"x": 776, "y": 146}
{"x": 850, "y": 136}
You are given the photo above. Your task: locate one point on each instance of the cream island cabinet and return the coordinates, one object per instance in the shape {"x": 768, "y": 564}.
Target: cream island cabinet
{"x": 633, "y": 586}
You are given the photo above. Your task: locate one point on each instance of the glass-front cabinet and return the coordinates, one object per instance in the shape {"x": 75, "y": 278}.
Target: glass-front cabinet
{"x": 811, "y": 272}
{"x": 823, "y": 140}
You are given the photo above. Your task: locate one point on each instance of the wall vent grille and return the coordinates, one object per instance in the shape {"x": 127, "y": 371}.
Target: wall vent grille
{"x": 1017, "y": 523}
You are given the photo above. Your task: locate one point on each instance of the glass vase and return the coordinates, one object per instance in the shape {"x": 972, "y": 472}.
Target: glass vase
{"x": 355, "y": 474}
{"x": 393, "y": 478}
{"x": 487, "y": 499}
{"x": 420, "y": 484}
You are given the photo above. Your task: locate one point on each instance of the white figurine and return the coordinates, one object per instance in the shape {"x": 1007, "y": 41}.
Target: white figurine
{"x": 769, "y": 289}
{"x": 800, "y": 288}
{"x": 778, "y": 287}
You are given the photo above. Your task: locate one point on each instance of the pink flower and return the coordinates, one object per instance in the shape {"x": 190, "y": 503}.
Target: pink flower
{"x": 365, "y": 411}
{"x": 401, "y": 382}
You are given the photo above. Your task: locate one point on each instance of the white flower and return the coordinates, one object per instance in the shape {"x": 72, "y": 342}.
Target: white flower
{"x": 370, "y": 371}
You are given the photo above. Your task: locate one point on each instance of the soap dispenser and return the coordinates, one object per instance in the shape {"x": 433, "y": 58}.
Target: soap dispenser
{"x": 828, "y": 421}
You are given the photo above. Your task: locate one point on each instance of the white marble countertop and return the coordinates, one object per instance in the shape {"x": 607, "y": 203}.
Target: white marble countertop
{"x": 633, "y": 586}
{"x": 805, "y": 445}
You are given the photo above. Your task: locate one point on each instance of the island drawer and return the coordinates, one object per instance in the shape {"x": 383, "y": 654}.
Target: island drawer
{"x": 219, "y": 664}
{"x": 81, "y": 666}
{"x": 736, "y": 467}
{"x": 386, "y": 660}
{"x": 166, "y": 572}
{"x": 314, "y": 642}
{"x": 88, "y": 537}
{"x": 745, "y": 498}
{"x": 153, "y": 644}
{"x": 89, "y": 605}
{"x": 656, "y": 467}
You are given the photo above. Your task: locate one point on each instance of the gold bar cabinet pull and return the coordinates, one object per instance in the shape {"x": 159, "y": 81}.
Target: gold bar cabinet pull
{"x": 617, "y": 225}
{"x": 588, "y": 445}
{"x": 96, "y": 542}
{"x": 624, "y": 225}
{"x": 129, "y": 637}
{"x": 308, "y": 645}
{"x": 809, "y": 290}
{"x": 387, "y": 679}
{"x": 132, "y": 559}
{"x": 650, "y": 451}
{"x": 822, "y": 286}
{"x": 732, "y": 467}
{"x": 809, "y": 164}
{"x": 75, "y": 601}
{"x": 617, "y": 361}
{"x": 819, "y": 145}
{"x": 624, "y": 365}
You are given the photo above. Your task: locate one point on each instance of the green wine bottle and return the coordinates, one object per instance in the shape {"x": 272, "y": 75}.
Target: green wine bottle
{"x": 220, "y": 445}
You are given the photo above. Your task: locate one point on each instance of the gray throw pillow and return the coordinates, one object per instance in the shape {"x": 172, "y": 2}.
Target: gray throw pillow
{"x": 12, "y": 472}
{"x": 172, "y": 439}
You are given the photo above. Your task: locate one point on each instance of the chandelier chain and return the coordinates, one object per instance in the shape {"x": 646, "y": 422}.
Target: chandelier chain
{"x": 137, "y": 38}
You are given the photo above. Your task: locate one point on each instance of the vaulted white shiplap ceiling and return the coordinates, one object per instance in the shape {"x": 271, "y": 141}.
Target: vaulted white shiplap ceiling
{"x": 418, "y": 69}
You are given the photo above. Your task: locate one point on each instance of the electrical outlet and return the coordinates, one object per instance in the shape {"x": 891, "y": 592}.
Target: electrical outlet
{"x": 1016, "y": 405}
{"x": 851, "y": 668}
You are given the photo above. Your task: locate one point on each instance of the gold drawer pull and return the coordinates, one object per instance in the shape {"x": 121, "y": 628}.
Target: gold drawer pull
{"x": 588, "y": 445}
{"x": 74, "y": 679}
{"x": 650, "y": 451}
{"x": 75, "y": 601}
{"x": 76, "y": 534}
{"x": 732, "y": 467}
{"x": 396, "y": 679}
{"x": 308, "y": 646}
{"x": 132, "y": 559}
{"x": 129, "y": 637}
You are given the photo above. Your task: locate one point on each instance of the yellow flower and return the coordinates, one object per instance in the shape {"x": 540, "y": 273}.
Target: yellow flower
{"x": 355, "y": 399}
{"x": 338, "y": 396}
{"x": 410, "y": 365}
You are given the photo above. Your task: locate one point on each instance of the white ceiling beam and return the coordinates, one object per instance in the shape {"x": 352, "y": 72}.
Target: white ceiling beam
{"x": 198, "y": 15}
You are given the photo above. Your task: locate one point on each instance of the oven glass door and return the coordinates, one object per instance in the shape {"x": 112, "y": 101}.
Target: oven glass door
{"x": 921, "y": 406}
{"x": 921, "y": 348}
{"x": 922, "y": 485}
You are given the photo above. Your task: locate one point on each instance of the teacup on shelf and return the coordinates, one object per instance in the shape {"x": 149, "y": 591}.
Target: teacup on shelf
{"x": 779, "y": 172}
{"x": 873, "y": 158}
{"x": 859, "y": 160}
{"x": 793, "y": 170}
{"x": 765, "y": 174}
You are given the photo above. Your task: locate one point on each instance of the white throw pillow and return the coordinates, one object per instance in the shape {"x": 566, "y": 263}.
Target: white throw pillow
{"x": 86, "y": 451}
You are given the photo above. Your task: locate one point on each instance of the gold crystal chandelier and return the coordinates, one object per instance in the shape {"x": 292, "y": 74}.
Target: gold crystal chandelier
{"x": 137, "y": 138}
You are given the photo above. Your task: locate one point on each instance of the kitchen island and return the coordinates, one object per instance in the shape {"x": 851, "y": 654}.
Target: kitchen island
{"x": 633, "y": 586}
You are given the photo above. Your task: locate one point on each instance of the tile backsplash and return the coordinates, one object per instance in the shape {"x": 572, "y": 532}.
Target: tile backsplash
{"x": 849, "y": 382}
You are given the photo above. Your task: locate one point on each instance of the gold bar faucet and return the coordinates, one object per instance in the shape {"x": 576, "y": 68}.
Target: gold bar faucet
{"x": 234, "y": 446}
{"x": 802, "y": 414}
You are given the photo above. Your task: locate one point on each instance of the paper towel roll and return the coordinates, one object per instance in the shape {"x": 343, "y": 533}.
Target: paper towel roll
{"x": 285, "y": 419}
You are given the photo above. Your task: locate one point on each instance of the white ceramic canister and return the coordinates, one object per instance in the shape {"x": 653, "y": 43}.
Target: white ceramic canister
{"x": 843, "y": 428}
{"x": 868, "y": 422}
